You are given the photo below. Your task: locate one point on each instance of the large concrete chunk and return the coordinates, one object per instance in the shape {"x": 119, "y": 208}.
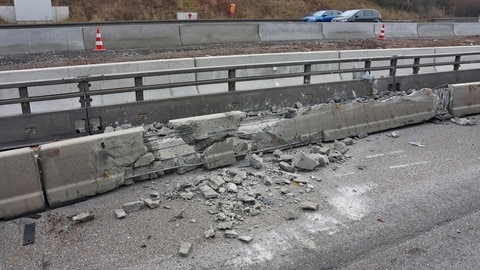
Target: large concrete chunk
{"x": 77, "y": 168}
{"x": 465, "y": 99}
{"x": 218, "y": 155}
{"x": 21, "y": 191}
{"x": 212, "y": 126}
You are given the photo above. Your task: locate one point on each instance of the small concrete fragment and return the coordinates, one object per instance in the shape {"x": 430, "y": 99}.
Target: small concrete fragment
{"x": 245, "y": 238}
{"x": 120, "y": 213}
{"x": 286, "y": 167}
{"x": 348, "y": 141}
{"x": 256, "y": 161}
{"x": 215, "y": 181}
{"x": 304, "y": 161}
{"x": 133, "y": 206}
{"x": 187, "y": 195}
{"x": 231, "y": 234}
{"x": 340, "y": 147}
{"x": 310, "y": 206}
{"x": 151, "y": 203}
{"x": 209, "y": 234}
{"x": 231, "y": 187}
{"x": 83, "y": 217}
{"x": 335, "y": 156}
{"x": 185, "y": 248}
{"x": 144, "y": 160}
{"x": 208, "y": 192}
{"x": 277, "y": 153}
{"x": 290, "y": 215}
{"x": 395, "y": 134}
{"x": 226, "y": 225}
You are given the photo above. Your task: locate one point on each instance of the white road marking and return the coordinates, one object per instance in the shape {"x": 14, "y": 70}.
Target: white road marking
{"x": 409, "y": 164}
{"x": 344, "y": 174}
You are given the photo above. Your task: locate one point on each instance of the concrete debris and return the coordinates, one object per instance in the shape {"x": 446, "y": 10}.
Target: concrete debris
{"x": 185, "y": 248}
{"x": 286, "y": 166}
{"x": 395, "y": 134}
{"x": 188, "y": 163}
{"x": 340, "y": 147}
{"x": 307, "y": 205}
{"x": 187, "y": 195}
{"x": 133, "y": 206}
{"x": 215, "y": 181}
{"x": 256, "y": 161}
{"x": 226, "y": 225}
{"x": 144, "y": 160}
{"x": 231, "y": 234}
{"x": 231, "y": 187}
{"x": 290, "y": 215}
{"x": 209, "y": 234}
{"x": 348, "y": 141}
{"x": 245, "y": 238}
{"x": 335, "y": 156}
{"x": 277, "y": 153}
{"x": 154, "y": 195}
{"x": 83, "y": 217}
{"x": 120, "y": 213}
{"x": 462, "y": 121}
{"x": 304, "y": 161}
{"x": 282, "y": 181}
{"x": 208, "y": 192}
{"x": 151, "y": 203}
{"x": 178, "y": 215}
{"x": 240, "y": 147}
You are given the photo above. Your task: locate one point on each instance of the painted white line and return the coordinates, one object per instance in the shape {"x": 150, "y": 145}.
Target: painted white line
{"x": 344, "y": 174}
{"x": 395, "y": 152}
{"x": 409, "y": 164}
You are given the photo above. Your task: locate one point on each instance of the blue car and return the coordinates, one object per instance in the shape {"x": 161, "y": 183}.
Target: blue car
{"x": 321, "y": 16}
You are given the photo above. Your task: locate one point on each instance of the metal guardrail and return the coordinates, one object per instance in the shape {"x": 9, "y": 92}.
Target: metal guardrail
{"x": 85, "y": 93}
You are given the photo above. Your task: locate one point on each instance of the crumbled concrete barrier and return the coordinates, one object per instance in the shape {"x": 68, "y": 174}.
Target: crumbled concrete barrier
{"x": 210, "y": 234}
{"x": 208, "y": 192}
{"x": 83, "y": 217}
{"x": 188, "y": 163}
{"x": 256, "y": 161}
{"x": 151, "y": 171}
{"x": 307, "y": 205}
{"x": 240, "y": 147}
{"x": 212, "y": 127}
{"x": 230, "y": 234}
{"x": 68, "y": 177}
{"x": 185, "y": 248}
{"x": 219, "y": 155}
{"x": 151, "y": 203}
{"x": 226, "y": 225}
{"x": 120, "y": 213}
{"x": 245, "y": 238}
{"x": 133, "y": 206}
{"x": 304, "y": 161}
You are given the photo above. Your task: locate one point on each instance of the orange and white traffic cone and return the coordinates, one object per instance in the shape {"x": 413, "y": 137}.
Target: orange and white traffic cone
{"x": 98, "y": 41}
{"x": 381, "y": 36}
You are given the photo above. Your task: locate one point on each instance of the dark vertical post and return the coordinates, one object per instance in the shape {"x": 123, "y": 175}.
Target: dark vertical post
{"x": 85, "y": 102}
{"x": 139, "y": 93}
{"x": 416, "y": 63}
{"x": 307, "y": 69}
{"x": 456, "y": 66}
{"x": 23, "y": 91}
{"x": 231, "y": 80}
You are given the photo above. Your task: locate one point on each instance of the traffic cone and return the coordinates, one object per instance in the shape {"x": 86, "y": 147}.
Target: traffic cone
{"x": 98, "y": 41}
{"x": 382, "y": 33}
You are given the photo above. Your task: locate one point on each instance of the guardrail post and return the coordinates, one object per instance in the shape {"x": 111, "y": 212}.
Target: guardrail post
{"x": 416, "y": 65}
{"x": 368, "y": 65}
{"x": 393, "y": 73}
{"x": 231, "y": 80}
{"x": 307, "y": 69}
{"x": 85, "y": 102}
{"x": 456, "y": 66}
{"x": 139, "y": 93}
{"x": 23, "y": 91}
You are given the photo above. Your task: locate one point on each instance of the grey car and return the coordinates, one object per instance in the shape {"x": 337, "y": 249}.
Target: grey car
{"x": 359, "y": 15}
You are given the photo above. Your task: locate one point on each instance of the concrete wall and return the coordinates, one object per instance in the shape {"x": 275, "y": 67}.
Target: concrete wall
{"x": 465, "y": 99}
{"x": 148, "y": 35}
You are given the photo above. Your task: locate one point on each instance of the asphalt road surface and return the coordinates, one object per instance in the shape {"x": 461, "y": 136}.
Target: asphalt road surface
{"x": 392, "y": 205}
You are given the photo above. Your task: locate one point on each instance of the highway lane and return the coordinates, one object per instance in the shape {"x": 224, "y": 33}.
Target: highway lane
{"x": 392, "y": 205}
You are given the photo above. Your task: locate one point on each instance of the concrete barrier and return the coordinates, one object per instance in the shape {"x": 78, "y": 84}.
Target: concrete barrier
{"x": 333, "y": 31}
{"x": 77, "y": 168}
{"x": 36, "y": 40}
{"x": 329, "y": 122}
{"x": 210, "y": 33}
{"x": 134, "y": 36}
{"x": 466, "y": 29}
{"x": 21, "y": 191}
{"x": 465, "y": 99}
{"x": 429, "y": 30}
{"x": 280, "y": 31}
{"x": 397, "y": 30}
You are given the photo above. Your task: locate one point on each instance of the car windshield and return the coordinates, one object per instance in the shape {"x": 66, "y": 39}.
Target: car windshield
{"x": 349, "y": 13}
{"x": 318, "y": 13}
